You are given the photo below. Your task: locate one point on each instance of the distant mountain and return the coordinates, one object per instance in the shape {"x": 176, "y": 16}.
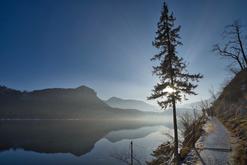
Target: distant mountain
{"x": 131, "y": 104}
{"x": 59, "y": 103}
{"x": 94, "y": 119}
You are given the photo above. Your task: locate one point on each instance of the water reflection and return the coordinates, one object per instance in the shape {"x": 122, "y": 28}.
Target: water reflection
{"x": 76, "y": 142}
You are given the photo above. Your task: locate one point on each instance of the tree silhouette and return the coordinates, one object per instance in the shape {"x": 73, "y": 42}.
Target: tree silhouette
{"x": 174, "y": 80}
{"x": 233, "y": 48}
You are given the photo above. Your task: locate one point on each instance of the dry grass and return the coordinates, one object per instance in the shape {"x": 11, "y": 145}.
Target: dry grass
{"x": 238, "y": 128}
{"x": 231, "y": 108}
{"x": 191, "y": 129}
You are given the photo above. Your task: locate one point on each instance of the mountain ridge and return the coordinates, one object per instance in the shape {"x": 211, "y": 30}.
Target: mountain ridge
{"x": 61, "y": 103}
{"x": 117, "y": 102}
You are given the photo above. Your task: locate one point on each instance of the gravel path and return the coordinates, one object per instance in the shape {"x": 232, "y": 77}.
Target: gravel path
{"x": 215, "y": 144}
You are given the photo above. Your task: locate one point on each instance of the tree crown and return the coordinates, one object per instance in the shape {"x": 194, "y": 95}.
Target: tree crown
{"x": 175, "y": 81}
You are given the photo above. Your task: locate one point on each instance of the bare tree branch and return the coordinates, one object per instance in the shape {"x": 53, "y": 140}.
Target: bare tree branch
{"x": 234, "y": 47}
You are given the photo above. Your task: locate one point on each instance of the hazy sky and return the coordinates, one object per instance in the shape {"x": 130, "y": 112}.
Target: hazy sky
{"x": 106, "y": 44}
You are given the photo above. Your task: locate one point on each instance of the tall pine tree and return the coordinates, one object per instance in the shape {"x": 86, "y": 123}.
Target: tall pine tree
{"x": 174, "y": 80}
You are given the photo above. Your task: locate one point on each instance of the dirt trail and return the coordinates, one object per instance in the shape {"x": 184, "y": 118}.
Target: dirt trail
{"x": 215, "y": 144}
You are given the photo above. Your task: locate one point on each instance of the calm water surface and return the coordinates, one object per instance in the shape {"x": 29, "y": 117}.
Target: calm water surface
{"x": 53, "y": 144}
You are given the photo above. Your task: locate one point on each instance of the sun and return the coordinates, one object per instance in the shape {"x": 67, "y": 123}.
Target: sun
{"x": 169, "y": 90}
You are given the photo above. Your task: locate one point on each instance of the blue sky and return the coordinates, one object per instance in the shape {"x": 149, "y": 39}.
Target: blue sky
{"x": 106, "y": 44}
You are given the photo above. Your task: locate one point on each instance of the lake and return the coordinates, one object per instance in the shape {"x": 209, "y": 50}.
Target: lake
{"x": 79, "y": 142}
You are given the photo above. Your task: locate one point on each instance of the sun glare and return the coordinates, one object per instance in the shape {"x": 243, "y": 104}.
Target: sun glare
{"x": 170, "y": 89}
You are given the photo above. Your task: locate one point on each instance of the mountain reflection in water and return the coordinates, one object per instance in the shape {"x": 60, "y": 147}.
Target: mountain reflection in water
{"x": 72, "y": 142}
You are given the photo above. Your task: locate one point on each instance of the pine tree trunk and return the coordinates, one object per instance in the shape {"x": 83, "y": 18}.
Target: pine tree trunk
{"x": 177, "y": 160}
{"x": 174, "y": 107}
